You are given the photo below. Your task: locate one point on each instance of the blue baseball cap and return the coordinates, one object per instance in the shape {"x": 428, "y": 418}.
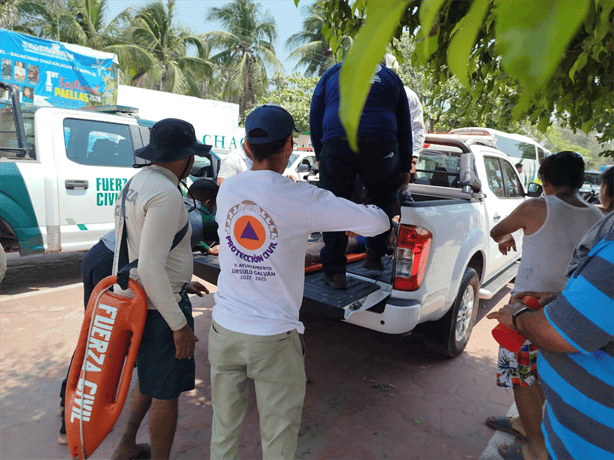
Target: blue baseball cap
{"x": 272, "y": 123}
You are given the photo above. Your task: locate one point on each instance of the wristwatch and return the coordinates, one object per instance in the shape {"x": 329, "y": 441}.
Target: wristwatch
{"x": 517, "y": 314}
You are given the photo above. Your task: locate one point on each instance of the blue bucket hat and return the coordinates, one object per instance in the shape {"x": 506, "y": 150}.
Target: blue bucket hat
{"x": 274, "y": 120}
{"x": 172, "y": 140}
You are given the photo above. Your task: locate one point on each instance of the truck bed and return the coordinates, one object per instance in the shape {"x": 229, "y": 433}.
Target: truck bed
{"x": 319, "y": 297}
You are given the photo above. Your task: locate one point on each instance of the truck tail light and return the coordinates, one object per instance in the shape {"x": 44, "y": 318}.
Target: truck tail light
{"x": 412, "y": 254}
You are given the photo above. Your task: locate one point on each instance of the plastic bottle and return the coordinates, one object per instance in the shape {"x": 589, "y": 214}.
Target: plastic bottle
{"x": 510, "y": 339}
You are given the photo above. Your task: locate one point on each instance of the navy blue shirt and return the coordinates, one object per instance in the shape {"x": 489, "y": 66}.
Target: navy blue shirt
{"x": 385, "y": 115}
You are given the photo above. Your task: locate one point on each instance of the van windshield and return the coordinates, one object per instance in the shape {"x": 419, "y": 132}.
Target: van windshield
{"x": 514, "y": 148}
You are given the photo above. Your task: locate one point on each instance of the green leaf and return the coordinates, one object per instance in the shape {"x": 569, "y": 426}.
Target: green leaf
{"x": 580, "y": 62}
{"x": 428, "y": 13}
{"x": 530, "y": 50}
{"x": 367, "y": 51}
{"x": 544, "y": 122}
{"x": 463, "y": 40}
{"x": 587, "y": 126}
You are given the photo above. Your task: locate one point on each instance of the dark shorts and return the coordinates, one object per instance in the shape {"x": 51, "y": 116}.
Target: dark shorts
{"x": 161, "y": 375}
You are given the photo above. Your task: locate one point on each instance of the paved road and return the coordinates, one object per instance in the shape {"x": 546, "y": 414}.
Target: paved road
{"x": 371, "y": 396}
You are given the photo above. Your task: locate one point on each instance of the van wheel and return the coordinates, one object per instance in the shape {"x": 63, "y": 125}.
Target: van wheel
{"x": 2, "y": 263}
{"x": 455, "y": 327}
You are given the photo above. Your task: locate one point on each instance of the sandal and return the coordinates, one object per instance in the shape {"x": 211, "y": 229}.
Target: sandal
{"x": 505, "y": 424}
{"x": 513, "y": 452}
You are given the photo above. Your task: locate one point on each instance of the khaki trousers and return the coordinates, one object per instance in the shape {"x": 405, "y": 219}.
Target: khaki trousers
{"x": 276, "y": 365}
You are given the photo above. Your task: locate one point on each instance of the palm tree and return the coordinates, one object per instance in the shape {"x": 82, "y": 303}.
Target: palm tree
{"x": 246, "y": 47}
{"x": 311, "y": 46}
{"x": 153, "y": 28}
{"x": 81, "y": 22}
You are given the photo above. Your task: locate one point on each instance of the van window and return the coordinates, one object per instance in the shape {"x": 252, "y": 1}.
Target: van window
{"x": 98, "y": 143}
{"x": 514, "y": 148}
{"x": 540, "y": 154}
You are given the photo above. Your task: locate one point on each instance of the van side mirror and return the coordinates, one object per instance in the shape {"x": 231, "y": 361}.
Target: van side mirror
{"x": 302, "y": 168}
{"x": 535, "y": 190}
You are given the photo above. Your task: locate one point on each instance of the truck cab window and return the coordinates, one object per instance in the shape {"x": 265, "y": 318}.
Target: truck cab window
{"x": 8, "y": 136}
{"x": 494, "y": 176}
{"x": 511, "y": 178}
{"x": 98, "y": 143}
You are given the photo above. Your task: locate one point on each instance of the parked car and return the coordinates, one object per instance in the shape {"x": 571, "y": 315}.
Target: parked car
{"x": 590, "y": 188}
{"x": 300, "y": 163}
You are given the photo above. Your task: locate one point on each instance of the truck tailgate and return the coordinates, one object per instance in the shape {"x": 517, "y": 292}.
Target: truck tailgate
{"x": 319, "y": 297}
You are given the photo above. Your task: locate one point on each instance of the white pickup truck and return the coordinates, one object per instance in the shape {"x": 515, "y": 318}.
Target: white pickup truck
{"x": 61, "y": 171}
{"x": 444, "y": 259}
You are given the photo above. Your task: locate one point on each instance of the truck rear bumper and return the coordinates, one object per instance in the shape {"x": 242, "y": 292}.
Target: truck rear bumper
{"x": 399, "y": 317}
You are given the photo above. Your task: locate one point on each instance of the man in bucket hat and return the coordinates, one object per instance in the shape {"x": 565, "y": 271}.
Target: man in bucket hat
{"x": 255, "y": 332}
{"x": 154, "y": 215}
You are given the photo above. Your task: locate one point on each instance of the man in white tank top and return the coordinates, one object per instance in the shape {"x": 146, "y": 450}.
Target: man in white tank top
{"x": 552, "y": 224}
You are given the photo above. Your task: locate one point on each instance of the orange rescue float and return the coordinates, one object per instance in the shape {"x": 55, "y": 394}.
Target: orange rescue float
{"x": 102, "y": 367}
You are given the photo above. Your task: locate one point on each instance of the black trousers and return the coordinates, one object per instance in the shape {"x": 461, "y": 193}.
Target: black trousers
{"x": 378, "y": 165}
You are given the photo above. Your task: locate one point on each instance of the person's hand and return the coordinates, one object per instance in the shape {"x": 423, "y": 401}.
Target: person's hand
{"x": 196, "y": 287}
{"x": 185, "y": 341}
{"x": 214, "y": 250}
{"x": 504, "y": 316}
{"x": 291, "y": 177}
{"x": 351, "y": 234}
{"x": 507, "y": 245}
{"x": 544, "y": 297}
{"x": 396, "y": 218}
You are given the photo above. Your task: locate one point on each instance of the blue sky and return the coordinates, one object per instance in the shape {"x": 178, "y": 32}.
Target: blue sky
{"x": 192, "y": 13}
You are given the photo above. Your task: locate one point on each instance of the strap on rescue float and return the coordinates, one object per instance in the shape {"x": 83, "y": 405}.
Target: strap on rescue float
{"x": 101, "y": 371}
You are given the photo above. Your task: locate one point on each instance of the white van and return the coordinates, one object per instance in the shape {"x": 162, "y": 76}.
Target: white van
{"x": 524, "y": 149}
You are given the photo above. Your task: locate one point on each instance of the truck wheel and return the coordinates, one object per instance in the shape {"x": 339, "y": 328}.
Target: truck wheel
{"x": 456, "y": 326}
{"x": 2, "y": 263}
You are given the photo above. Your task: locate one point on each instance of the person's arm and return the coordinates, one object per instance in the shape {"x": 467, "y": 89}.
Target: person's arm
{"x": 316, "y": 116}
{"x": 526, "y": 212}
{"x": 330, "y": 213}
{"x": 581, "y": 319}
{"x": 534, "y": 326}
{"x": 404, "y": 134}
{"x": 418, "y": 130}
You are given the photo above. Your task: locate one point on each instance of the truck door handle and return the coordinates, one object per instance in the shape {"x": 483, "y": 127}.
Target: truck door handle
{"x": 496, "y": 217}
{"x": 76, "y": 185}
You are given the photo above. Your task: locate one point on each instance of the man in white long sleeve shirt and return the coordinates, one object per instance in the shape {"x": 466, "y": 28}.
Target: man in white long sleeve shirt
{"x": 418, "y": 130}
{"x": 255, "y": 332}
{"x": 237, "y": 161}
{"x": 154, "y": 214}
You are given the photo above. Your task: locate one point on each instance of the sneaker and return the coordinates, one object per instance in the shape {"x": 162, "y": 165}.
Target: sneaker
{"x": 373, "y": 260}
{"x": 337, "y": 281}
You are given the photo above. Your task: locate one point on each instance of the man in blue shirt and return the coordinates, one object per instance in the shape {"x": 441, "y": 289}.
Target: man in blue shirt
{"x": 383, "y": 160}
{"x": 575, "y": 335}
